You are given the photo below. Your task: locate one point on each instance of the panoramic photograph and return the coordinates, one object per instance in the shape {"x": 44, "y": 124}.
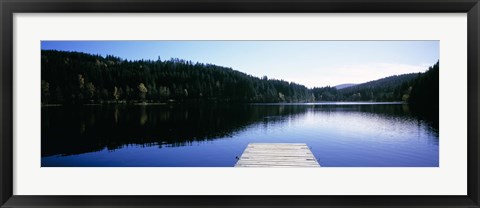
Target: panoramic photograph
{"x": 240, "y": 104}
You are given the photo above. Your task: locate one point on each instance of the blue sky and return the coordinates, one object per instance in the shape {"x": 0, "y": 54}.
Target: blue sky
{"x": 311, "y": 63}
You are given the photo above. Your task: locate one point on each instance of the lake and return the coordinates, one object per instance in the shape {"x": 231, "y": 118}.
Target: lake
{"x": 213, "y": 135}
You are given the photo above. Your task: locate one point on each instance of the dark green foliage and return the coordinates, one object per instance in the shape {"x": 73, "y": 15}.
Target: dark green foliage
{"x": 425, "y": 88}
{"x": 84, "y": 78}
{"x": 424, "y": 97}
{"x": 326, "y": 94}
{"x": 393, "y": 88}
{"x": 76, "y": 78}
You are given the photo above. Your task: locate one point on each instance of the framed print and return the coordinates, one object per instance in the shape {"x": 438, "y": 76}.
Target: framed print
{"x": 213, "y": 103}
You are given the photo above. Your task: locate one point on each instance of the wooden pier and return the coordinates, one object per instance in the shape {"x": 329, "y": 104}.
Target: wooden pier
{"x": 277, "y": 155}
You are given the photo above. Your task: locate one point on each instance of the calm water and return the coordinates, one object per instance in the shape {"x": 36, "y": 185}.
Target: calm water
{"x": 339, "y": 134}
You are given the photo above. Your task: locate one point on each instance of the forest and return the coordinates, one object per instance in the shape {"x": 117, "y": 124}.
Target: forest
{"x": 70, "y": 78}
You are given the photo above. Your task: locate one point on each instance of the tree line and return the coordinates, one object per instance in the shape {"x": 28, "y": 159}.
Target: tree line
{"x": 389, "y": 89}
{"x": 81, "y": 78}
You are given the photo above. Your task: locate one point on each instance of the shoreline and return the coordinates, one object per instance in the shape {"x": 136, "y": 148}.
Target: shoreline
{"x": 284, "y": 103}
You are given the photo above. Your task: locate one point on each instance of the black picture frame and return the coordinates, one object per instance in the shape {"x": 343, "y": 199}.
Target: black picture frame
{"x": 10, "y": 7}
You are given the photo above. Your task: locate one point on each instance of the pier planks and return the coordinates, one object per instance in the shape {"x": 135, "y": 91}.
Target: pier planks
{"x": 277, "y": 155}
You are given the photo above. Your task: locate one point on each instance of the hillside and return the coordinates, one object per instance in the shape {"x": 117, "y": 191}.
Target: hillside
{"x": 78, "y": 78}
{"x": 73, "y": 77}
{"x": 392, "y": 88}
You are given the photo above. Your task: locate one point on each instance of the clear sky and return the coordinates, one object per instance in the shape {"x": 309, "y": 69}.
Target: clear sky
{"x": 311, "y": 63}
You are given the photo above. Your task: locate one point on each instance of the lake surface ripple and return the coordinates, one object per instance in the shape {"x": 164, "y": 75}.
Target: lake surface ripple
{"x": 212, "y": 135}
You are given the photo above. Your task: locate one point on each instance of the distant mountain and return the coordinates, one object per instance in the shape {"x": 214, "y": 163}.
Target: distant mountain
{"x": 341, "y": 86}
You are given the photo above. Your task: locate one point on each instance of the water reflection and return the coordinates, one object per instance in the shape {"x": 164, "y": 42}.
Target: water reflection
{"x": 335, "y": 129}
{"x": 75, "y": 130}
